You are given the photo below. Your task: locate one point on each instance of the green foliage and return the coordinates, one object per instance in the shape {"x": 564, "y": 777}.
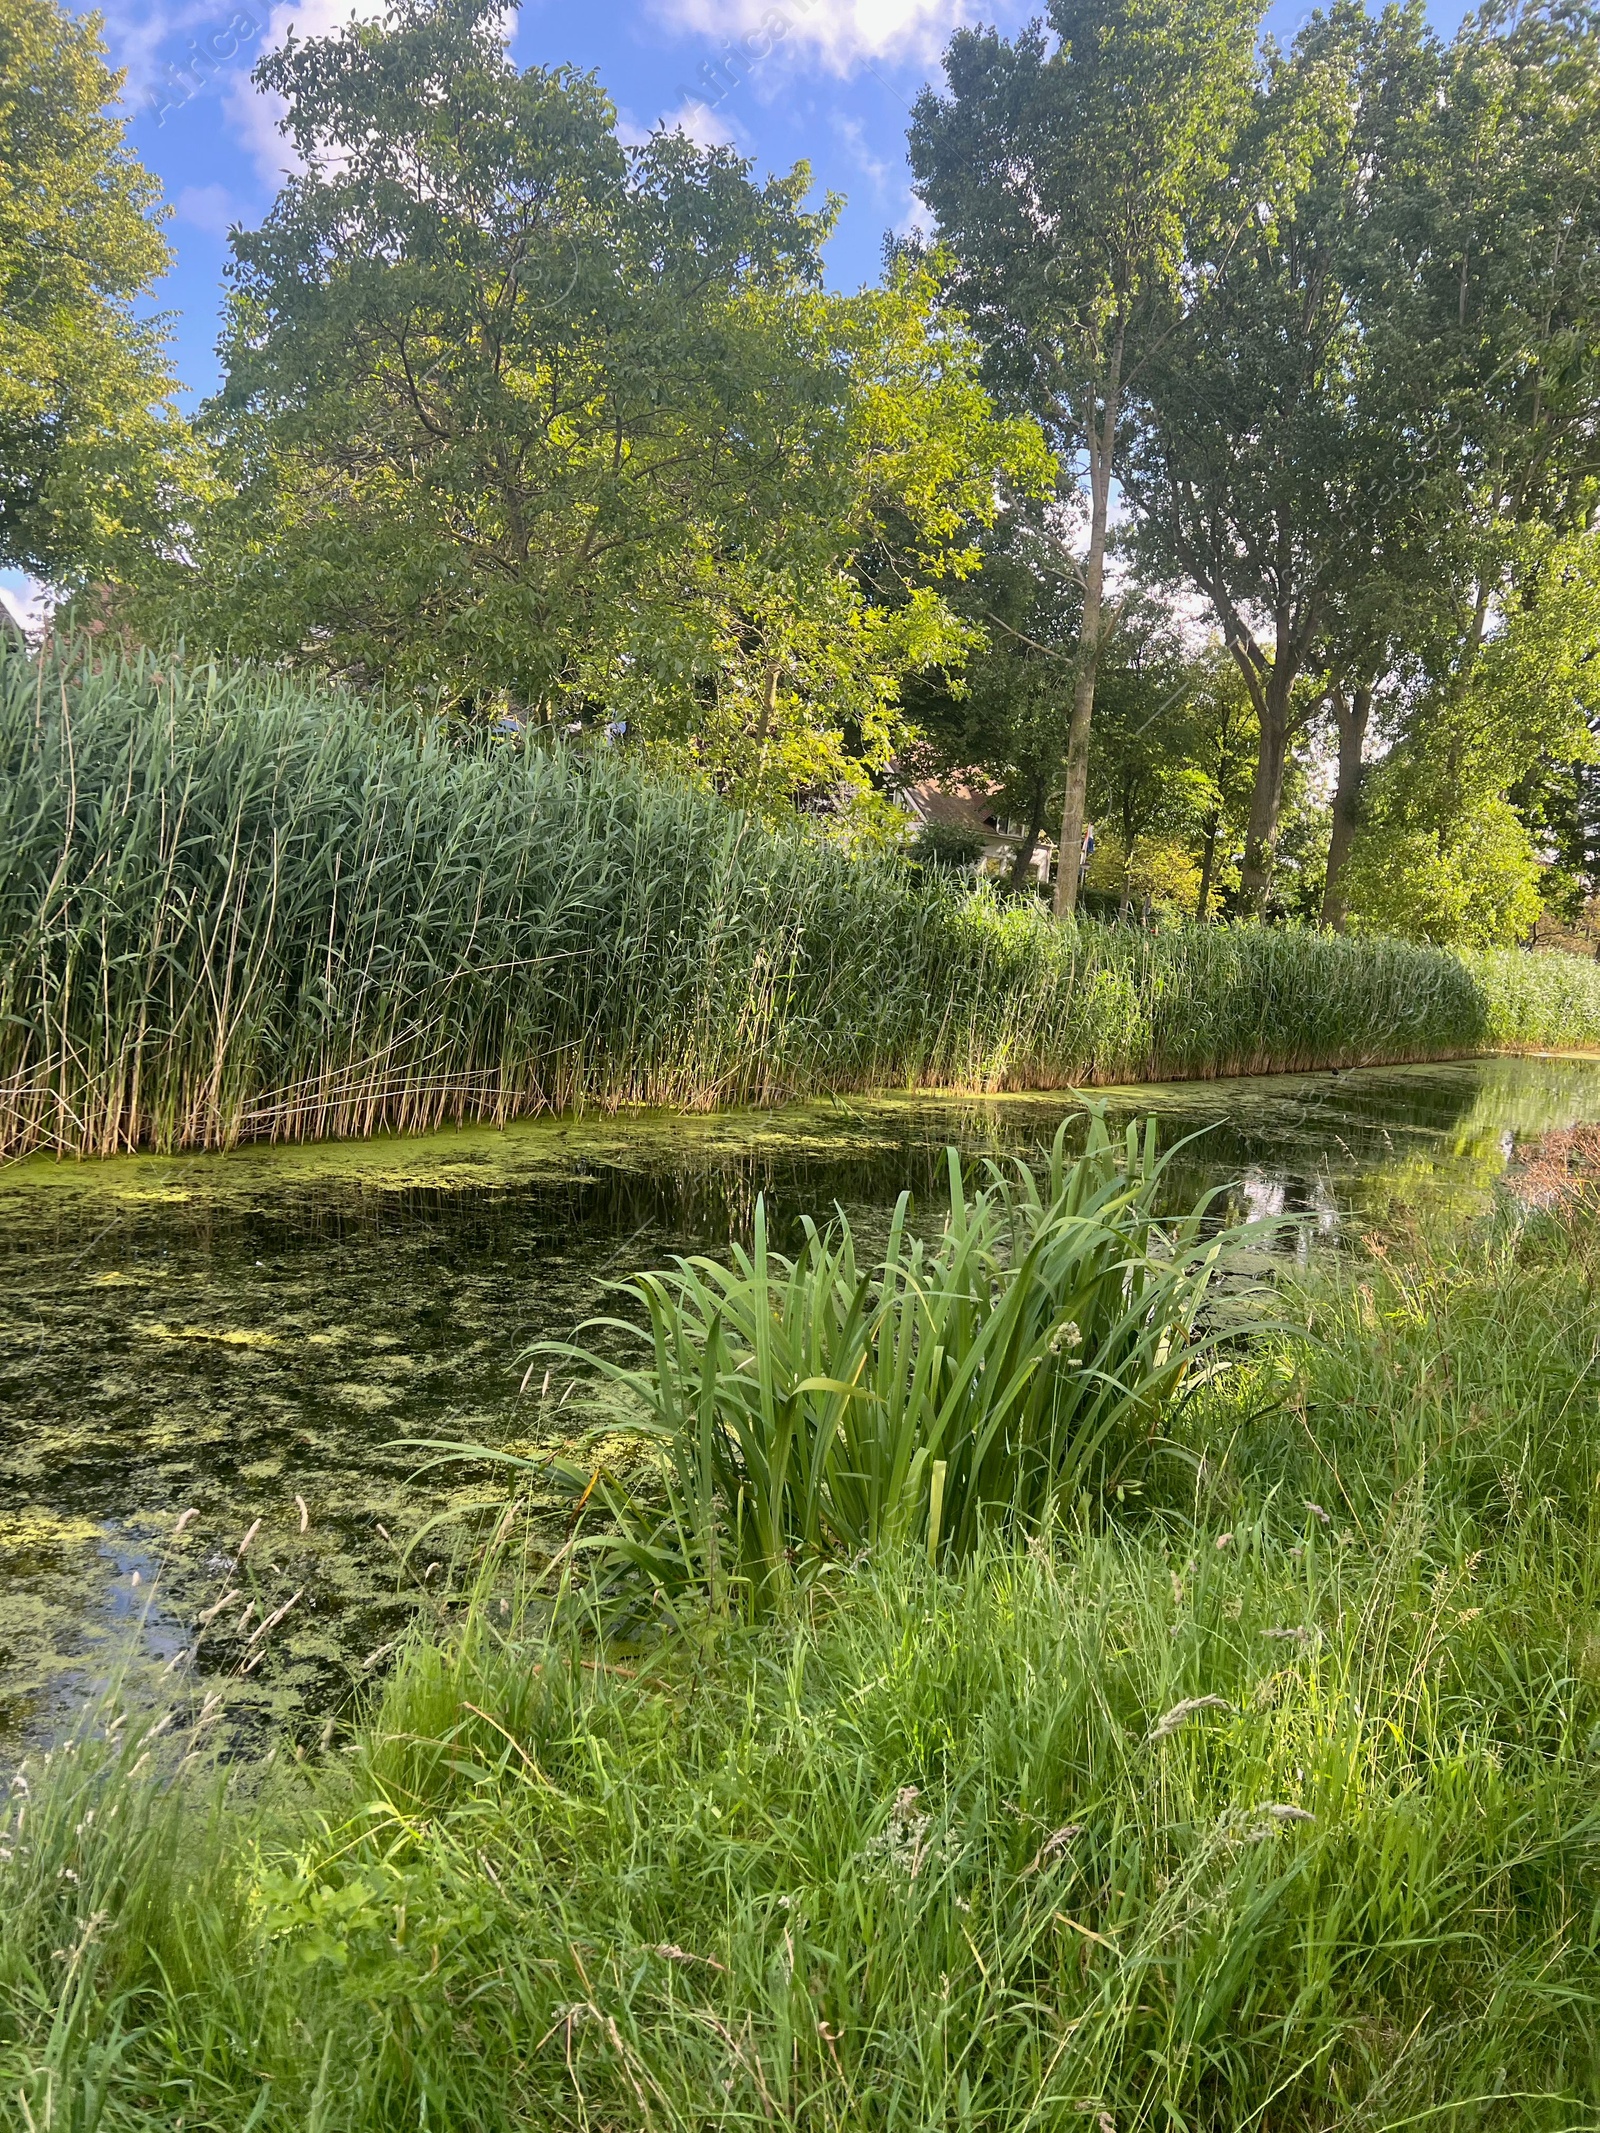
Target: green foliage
{"x": 1005, "y": 712}
{"x": 89, "y": 442}
{"x": 1142, "y": 781}
{"x": 809, "y": 1410}
{"x": 1472, "y": 882}
{"x": 520, "y": 417}
{"x": 944, "y": 845}
{"x": 235, "y": 906}
{"x": 1539, "y": 1002}
{"x": 1280, "y": 463}
{"x": 1497, "y": 233}
{"x": 1067, "y": 182}
{"x": 1280, "y": 1800}
{"x": 1441, "y": 854}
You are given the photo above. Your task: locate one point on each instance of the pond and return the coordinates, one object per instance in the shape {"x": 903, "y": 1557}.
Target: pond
{"x": 257, "y": 1336}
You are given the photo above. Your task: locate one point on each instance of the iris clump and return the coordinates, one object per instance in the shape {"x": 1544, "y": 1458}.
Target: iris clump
{"x": 811, "y": 1410}
{"x": 239, "y": 905}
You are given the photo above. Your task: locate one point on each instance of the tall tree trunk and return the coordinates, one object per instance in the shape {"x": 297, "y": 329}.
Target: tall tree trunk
{"x": 1352, "y": 715}
{"x": 1023, "y": 858}
{"x": 1266, "y": 796}
{"x": 1208, "y": 867}
{"x": 1100, "y": 430}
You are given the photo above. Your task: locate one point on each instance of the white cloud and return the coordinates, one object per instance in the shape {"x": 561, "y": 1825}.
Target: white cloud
{"x": 253, "y": 114}
{"x": 211, "y": 208}
{"x": 253, "y": 117}
{"x": 701, "y": 123}
{"x": 854, "y": 135}
{"x": 843, "y": 34}
{"x": 138, "y": 35}
{"x": 26, "y": 600}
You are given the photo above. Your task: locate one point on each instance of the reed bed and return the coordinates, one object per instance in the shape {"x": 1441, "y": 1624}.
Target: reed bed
{"x": 236, "y": 906}
{"x": 1539, "y": 1002}
{"x": 1265, "y": 1798}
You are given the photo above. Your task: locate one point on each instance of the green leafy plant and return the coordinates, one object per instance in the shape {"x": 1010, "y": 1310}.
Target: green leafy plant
{"x": 808, "y": 1409}
{"x": 942, "y": 844}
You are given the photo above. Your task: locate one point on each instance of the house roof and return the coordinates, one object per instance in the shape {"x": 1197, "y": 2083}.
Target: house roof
{"x": 964, "y": 804}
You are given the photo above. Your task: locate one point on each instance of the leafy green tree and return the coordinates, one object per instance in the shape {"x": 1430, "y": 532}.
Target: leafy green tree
{"x": 1277, "y": 465}
{"x": 1492, "y": 258}
{"x": 1003, "y": 713}
{"x": 1558, "y": 804}
{"x": 90, "y": 446}
{"x": 1175, "y": 757}
{"x": 1441, "y": 853}
{"x": 539, "y": 422}
{"x": 1067, "y": 182}
{"x": 1225, "y": 745}
{"x": 1144, "y": 780}
{"x": 1484, "y": 248}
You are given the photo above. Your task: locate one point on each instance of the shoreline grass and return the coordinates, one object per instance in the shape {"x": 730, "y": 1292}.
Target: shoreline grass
{"x": 233, "y": 908}
{"x": 1265, "y": 1797}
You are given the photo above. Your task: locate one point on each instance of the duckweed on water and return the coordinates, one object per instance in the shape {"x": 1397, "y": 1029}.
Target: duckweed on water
{"x": 388, "y": 1288}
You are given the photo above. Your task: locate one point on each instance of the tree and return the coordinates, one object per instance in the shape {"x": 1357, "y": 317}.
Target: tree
{"x": 538, "y": 422}
{"x": 1492, "y": 257}
{"x": 90, "y": 445}
{"x": 1066, "y": 184}
{"x": 1002, "y": 713}
{"x": 1277, "y": 466}
{"x": 1441, "y": 853}
{"x": 1225, "y": 745}
{"x": 1483, "y": 251}
{"x": 1144, "y": 780}
{"x": 1558, "y": 803}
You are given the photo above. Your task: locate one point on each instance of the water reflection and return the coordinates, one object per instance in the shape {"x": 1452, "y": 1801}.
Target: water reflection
{"x": 252, "y": 1334}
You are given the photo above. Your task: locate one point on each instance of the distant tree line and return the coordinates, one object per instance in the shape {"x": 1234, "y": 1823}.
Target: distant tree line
{"x": 1328, "y": 321}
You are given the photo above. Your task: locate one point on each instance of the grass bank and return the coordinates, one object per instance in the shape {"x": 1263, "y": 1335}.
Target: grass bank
{"x": 232, "y": 908}
{"x": 1265, "y": 1797}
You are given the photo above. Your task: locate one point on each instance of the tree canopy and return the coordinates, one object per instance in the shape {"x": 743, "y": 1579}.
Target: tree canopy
{"x": 1067, "y": 182}
{"x": 90, "y": 445}
{"x": 562, "y": 428}
{"x": 1223, "y": 468}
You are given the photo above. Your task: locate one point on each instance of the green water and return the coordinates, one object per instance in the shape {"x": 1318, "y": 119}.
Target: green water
{"x": 253, "y": 1333}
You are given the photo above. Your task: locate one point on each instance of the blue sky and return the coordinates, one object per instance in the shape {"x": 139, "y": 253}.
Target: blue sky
{"x": 835, "y": 89}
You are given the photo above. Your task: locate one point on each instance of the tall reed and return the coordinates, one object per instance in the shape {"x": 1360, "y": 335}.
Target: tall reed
{"x": 1539, "y": 1002}
{"x": 234, "y": 906}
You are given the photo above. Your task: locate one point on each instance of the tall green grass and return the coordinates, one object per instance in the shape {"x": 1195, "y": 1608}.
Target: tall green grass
{"x": 1539, "y": 1002}
{"x": 1269, "y": 1801}
{"x": 234, "y": 906}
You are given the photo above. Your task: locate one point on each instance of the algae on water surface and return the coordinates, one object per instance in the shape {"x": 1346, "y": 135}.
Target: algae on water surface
{"x": 254, "y": 1334}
